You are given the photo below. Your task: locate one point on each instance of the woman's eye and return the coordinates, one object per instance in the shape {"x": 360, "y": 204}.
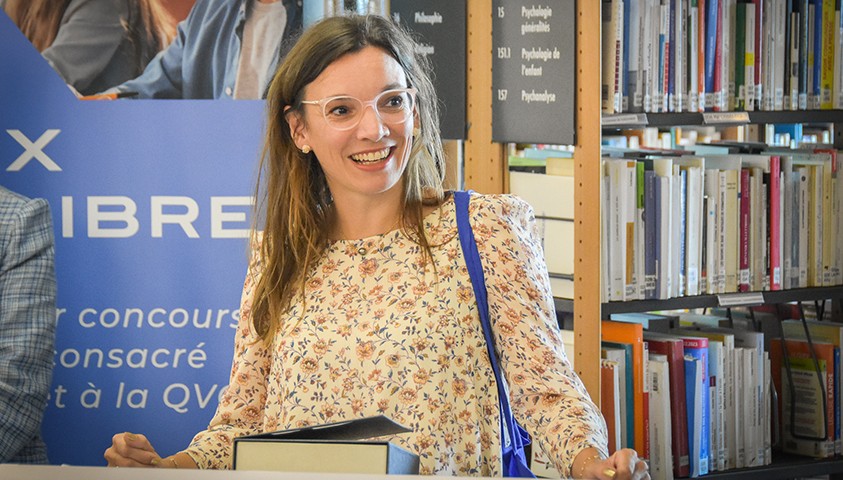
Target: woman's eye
{"x": 395, "y": 101}
{"x": 338, "y": 111}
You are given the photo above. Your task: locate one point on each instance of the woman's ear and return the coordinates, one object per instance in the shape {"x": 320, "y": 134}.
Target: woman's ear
{"x": 298, "y": 132}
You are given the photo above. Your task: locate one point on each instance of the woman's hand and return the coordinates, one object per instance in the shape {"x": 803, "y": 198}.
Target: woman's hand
{"x": 624, "y": 464}
{"x": 132, "y": 450}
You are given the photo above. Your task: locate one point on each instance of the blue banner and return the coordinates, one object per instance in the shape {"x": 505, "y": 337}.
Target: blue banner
{"x": 151, "y": 203}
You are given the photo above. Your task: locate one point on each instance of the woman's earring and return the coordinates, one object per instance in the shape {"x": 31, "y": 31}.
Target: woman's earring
{"x": 305, "y": 149}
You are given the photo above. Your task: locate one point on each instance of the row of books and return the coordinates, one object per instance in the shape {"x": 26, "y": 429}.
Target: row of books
{"x": 758, "y": 393}
{"x": 687, "y": 222}
{"x": 721, "y": 55}
{"x": 693, "y": 399}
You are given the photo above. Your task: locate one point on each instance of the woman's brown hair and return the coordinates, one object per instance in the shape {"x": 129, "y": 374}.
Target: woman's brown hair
{"x": 295, "y": 204}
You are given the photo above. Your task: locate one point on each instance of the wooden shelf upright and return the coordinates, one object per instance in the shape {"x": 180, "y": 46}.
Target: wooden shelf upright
{"x": 485, "y": 165}
{"x": 587, "y": 197}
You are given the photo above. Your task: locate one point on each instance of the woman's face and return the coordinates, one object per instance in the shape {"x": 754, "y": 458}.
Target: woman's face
{"x": 368, "y": 159}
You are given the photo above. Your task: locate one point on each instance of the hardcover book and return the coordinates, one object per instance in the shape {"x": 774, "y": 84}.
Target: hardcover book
{"x": 329, "y": 448}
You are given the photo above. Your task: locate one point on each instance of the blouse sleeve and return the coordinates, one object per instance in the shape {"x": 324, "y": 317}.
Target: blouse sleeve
{"x": 240, "y": 411}
{"x": 548, "y": 398}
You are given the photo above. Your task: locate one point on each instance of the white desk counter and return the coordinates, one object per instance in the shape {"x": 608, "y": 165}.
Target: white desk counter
{"x": 52, "y": 472}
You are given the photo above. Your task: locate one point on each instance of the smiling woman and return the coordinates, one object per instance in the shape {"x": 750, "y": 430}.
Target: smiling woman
{"x": 358, "y": 301}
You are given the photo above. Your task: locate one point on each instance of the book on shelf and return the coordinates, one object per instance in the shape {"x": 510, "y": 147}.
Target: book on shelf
{"x": 712, "y": 66}
{"x": 632, "y": 333}
{"x": 744, "y": 231}
{"x": 751, "y": 412}
{"x": 727, "y": 168}
{"x": 832, "y": 333}
{"x": 612, "y": 54}
{"x": 721, "y": 223}
{"x": 693, "y": 394}
{"x": 330, "y": 448}
{"x": 697, "y": 400}
{"x": 807, "y": 423}
{"x": 692, "y": 77}
{"x": 650, "y": 231}
{"x": 621, "y": 354}
{"x": 722, "y": 55}
{"x": 554, "y": 220}
{"x": 674, "y": 351}
{"x": 727, "y": 387}
{"x": 661, "y": 456}
{"x": 620, "y": 203}
{"x": 717, "y": 405}
{"x": 694, "y": 180}
{"x": 712, "y": 280}
{"x": 610, "y": 402}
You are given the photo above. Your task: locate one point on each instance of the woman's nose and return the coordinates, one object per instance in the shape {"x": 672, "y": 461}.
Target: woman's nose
{"x": 371, "y": 125}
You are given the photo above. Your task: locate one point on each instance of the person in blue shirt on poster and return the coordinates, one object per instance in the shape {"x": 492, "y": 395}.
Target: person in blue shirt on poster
{"x": 223, "y": 49}
{"x": 27, "y": 325}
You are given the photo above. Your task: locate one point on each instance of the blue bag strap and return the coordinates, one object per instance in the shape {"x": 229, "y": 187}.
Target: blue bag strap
{"x": 517, "y": 436}
{"x": 478, "y": 282}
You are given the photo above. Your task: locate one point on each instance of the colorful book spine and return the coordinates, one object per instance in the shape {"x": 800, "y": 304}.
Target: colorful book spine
{"x": 827, "y": 62}
{"x": 702, "y": 41}
{"x": 633, "y": 334}
{"x": 692, "y": 55}
{"x": 743, "y": 232}
{"x": 817, "y": 53}
{"x": 740, "y": 56}
{"x": 774, "y": 224}
{"x": 697, "y": 348}
{"x": 674, "y": 350}
{"x": 671, "y": 58}
{"x": 759, "y": 49}
{"x": 711, "y": 23}
{"x": 650, "y": 234}
{"x": 804, "y": 54}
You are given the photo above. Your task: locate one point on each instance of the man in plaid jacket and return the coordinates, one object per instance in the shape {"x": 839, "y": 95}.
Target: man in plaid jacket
{"x": 27, "y": 325}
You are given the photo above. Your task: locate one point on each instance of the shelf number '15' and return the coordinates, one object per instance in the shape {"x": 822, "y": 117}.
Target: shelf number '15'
{"x": 500, "y": 12}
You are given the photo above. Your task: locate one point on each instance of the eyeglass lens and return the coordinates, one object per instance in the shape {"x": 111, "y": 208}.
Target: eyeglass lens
{"x": 393, "y": 106}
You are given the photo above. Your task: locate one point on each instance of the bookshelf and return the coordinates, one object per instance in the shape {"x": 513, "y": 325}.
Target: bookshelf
{"x": 486, "y": 171}
{"x": 783, "y": 465}
{"x": 634, "y": 120}
{"x": 743, "y": 299}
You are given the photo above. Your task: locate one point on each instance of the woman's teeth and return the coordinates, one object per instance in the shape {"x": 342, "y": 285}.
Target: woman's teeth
{"x": 371, "y": 157}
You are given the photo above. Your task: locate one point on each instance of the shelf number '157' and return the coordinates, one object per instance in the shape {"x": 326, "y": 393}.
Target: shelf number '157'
{"x": 502, "y": 94}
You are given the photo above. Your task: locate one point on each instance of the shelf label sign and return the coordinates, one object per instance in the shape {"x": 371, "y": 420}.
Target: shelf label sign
{"x": 711, "y": 118}
{"x": 441, "y": 29}
{"x": 533, "y": 71}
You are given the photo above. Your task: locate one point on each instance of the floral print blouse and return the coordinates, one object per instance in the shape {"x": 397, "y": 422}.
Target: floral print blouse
{"x": 379, "y": 334}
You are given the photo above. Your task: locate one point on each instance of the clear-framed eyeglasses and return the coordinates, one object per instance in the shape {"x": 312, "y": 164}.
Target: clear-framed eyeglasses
{"x": 345, "y": 112}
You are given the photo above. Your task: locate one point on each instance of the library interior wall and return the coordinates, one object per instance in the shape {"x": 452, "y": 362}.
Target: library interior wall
{"x": 113, "y": 154}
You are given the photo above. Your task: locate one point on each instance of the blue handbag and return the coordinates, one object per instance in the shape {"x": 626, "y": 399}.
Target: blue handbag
{"x": 515, "y": 463}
